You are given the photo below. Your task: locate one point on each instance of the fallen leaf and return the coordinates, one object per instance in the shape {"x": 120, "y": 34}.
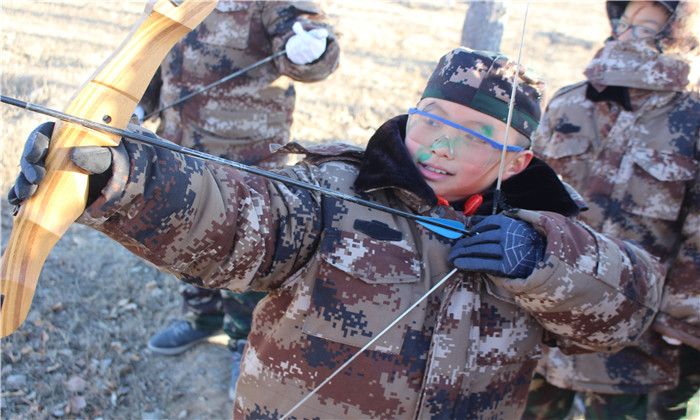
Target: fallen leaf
{"x": 117, "y": 346}
{"x": 77, "y": 403}
{"x": 75, "y": 384}
{"x": 66, "y": 352}
{"x": 130, "y": 306}
{"x": 53, "y": 368}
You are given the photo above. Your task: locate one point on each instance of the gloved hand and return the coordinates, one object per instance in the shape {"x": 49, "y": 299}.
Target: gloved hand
{"x": 305, "y": 47}
{"x": 31, "y": 164}
{"x": 503, "y": 246}
{"x": 95, "y": 160}
{"x": 139, "y": 114}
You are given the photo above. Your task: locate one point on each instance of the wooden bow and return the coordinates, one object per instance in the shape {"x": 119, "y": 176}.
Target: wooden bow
{"x": 110, "y": 97}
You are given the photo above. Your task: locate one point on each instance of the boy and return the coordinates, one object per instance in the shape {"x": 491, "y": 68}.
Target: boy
{"x": 338, "y": 273}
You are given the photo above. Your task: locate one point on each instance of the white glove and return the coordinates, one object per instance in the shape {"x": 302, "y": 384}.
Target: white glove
{"x": 672, "y": 341}
{"x": 305, "y": 47}
{"x": 140, "y": 113}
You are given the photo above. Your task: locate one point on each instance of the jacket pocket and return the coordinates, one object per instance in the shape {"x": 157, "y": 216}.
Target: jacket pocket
{"x": 363, "y": 284}
{"x": 563, "y": 145}
{"x": 656, "y": 187}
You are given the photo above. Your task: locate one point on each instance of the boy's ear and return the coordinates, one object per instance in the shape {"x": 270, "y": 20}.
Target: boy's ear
{"x": 518, "y": 163}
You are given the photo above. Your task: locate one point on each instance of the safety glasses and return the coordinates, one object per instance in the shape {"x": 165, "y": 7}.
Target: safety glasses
{"x": 437, "y": 128}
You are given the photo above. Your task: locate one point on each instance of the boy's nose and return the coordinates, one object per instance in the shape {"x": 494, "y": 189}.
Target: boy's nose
{"x": 442, "y": 147}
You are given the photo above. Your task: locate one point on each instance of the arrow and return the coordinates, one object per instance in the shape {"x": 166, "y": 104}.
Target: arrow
{"x": 451, "y": 229}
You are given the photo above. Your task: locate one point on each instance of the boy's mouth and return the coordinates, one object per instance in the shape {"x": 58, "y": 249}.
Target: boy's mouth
{"x": 431, "y": 172}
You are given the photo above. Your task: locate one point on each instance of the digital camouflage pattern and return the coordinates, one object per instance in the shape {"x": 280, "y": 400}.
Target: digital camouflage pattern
{"x": 241, "y": 118}
{"x": 482, "y": 80}
{"x": 632, "y": 151}
{"x": 337, "y": 273}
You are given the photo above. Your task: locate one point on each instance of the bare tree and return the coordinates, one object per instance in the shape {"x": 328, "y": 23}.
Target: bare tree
{"x": 483, "y": 25}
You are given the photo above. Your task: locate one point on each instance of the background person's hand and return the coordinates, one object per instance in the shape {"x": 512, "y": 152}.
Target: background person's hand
{"x": 306, "y": 47}
{"x": 502, "y": 246}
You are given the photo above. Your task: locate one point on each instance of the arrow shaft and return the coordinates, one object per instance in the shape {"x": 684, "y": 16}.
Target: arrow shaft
{"x": 204, "y": 156}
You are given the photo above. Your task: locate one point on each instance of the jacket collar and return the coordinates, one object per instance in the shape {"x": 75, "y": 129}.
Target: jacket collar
{"x": 387, "y": 164}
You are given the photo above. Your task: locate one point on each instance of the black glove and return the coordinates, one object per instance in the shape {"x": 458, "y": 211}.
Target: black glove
{"x": 95, "y": 160}
{"x": 32, "y": 170}
{"x": 502, "y": 246}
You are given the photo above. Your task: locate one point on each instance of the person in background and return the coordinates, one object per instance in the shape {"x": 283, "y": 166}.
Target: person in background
{"x": 627, "y": 139}
{"x": 238, "y": 120}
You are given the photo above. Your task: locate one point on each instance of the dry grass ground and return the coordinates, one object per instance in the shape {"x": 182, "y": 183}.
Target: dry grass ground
{"x": 82, "y": 351}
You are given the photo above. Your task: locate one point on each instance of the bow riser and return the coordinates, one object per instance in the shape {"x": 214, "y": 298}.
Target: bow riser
{"x": 109, "y": 97}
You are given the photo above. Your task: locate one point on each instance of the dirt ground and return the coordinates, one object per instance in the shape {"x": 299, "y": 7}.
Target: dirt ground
{"x": 81, "y": 353}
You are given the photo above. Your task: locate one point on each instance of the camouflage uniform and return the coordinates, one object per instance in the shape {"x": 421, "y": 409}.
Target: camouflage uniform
{"x": 627, "y": 140}
{"x": 239, "y": 119}
{"x": 337, "y": 273}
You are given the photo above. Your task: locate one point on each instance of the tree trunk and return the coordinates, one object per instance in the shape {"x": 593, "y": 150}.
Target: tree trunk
{"x": 483, "y": 25}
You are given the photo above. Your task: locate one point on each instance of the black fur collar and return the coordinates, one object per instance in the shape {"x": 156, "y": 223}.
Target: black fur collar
{"x": 387, "y": 164}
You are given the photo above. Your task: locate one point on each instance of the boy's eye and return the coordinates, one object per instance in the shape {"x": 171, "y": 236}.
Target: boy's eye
{"x": 474, "y": 140}
{"x": 433, "y": 123}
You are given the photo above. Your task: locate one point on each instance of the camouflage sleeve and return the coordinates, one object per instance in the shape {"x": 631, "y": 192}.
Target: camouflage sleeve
{"x": 278, "y": 19}
{"x": 210, "y": 225}
{"x": 679, "y": 316}
{"x": 591, "y": 291}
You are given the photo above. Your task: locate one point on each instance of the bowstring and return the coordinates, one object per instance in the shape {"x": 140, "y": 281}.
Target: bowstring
{"x": 511, "y": 105}
{"x": 366, "y": 346}
{"x": 451, "y": 273}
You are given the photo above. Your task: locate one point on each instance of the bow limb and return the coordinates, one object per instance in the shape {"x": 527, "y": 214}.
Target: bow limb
{"x": 109, "y": 96}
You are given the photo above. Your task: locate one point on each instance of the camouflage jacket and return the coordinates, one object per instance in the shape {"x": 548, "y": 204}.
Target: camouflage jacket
{"x": 338, "y": 273}
{"x": 633, "y": 154}
{"x": 241, "y": 118}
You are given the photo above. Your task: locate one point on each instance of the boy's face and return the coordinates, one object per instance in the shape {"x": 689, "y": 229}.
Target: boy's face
{"x": 454, "y": 163}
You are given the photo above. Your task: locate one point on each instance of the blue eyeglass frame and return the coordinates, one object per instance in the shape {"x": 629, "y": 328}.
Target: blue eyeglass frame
{"x": 496, "y": 145}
